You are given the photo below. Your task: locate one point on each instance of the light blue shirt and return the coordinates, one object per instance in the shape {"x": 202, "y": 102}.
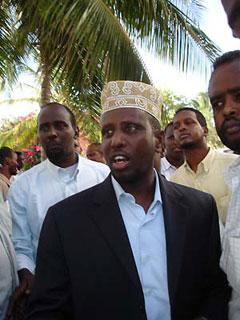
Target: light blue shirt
{"x": 36, "y": 190}
{"x": 146, "y": 233}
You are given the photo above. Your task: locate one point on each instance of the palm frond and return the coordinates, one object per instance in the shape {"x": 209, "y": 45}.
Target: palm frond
{"x": 19, "y": 134}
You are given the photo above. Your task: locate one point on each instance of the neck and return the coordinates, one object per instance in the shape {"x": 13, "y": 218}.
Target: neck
{"x": 142, "y": 191}
{"x": 4, "y": 171}
{"x": 195, "y": 156}
{"x": 176, "y": 162}
{"x": 66, "y": 162}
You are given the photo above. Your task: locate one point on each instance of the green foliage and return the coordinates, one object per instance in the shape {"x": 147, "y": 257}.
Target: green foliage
{"x": 171, "y": 102}
{"x": 84, "y": 43}
{"x": 19, "y": 133}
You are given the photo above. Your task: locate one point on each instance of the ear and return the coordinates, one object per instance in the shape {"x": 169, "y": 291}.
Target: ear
{"x": 205, "y": 131}
{"x": 158, "y": 141}
{"x": 76, "y": 135}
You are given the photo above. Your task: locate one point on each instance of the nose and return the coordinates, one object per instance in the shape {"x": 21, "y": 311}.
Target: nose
{"x": 117, "y": 140}
{"x": 51, "y": 133}
{"x": 230, "y": 106}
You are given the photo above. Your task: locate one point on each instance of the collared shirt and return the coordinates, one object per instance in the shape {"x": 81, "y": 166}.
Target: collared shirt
{"x": 146, "y": 233}
{"x": 4, "y": 186}
{"x": 4, "y": 189}
{"x": 36, "y": 190}
{"x": 167, "y": 169}
{"x": 230, "y": 259}
{"x": 209, "y": 178}
{"x": 8, "y": 271}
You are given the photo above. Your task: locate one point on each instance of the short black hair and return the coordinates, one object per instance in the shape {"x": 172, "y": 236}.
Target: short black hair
{"x": 5, "y": 152}
{"x": 227, "y": 57}
{"x": 72, "y": 116}
{"x": 98, "y": 145}
{"x": 200, "y": 117}
{"x": 168, "y": 125}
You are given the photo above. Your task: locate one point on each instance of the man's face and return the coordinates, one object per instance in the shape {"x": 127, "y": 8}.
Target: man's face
{"x": 232, "y": 9}
{"x": 224, "y": 93}
{"x": 171, "y": 145}
{"x": 129, "y": 144}
{"x": 13, "y": 164}
{"x": 56, "y": 133}
{"x": 95, "y": 154}
{"x": 187, "y": 130}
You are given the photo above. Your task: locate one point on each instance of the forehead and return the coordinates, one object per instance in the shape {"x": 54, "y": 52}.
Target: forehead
{"x": 53, "y": 113}
{"x": 123, "y": 115}
{"x": 184, "y": 115}
{"x": 13, "y": 155}
{"x": 169, "y": 131}
{"x": 225, "y": 77}
{"x": 93, "y": 148}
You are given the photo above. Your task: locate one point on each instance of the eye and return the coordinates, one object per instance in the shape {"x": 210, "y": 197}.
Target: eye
{"x": 60, "y": 125}
{"x": 175, "y": 126}
{"x": 237, "y": 96}
{"x": 189, "y": 121}
{"x": 217, "y": 105}
{"x": 131, "y": 127}
{"x": 44, "y": 127}
{"x": 107, "y": 132}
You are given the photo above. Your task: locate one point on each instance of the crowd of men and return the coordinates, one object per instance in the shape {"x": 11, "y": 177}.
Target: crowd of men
{"x": 108, "y": 236}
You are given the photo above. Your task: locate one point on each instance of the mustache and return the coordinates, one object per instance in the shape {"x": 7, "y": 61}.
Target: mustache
{"x": 227, "y": 123}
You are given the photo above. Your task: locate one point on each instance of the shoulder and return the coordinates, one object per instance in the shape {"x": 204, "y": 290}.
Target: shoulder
{"x": 194, "y": 198}
{"x": 224, "y": 157}
{"x": 97, "y": 167}
{"x": 81, "y": 199}
{"x": 26, "y": 178}
{"x": 178, "y": 173}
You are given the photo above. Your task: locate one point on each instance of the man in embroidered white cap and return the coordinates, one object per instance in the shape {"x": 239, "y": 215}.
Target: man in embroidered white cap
{"x": 135, "y": 246}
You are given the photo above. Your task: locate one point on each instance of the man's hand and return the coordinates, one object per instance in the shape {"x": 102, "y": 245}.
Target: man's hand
{"x": 26, "y": 282}
{"x": 20, "y": 296}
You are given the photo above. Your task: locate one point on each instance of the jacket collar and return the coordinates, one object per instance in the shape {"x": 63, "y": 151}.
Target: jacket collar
{"x": 110, "y": 222}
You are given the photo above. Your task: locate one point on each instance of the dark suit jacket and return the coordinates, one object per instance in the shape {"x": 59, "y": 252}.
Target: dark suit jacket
{"x": 86, "y": 269}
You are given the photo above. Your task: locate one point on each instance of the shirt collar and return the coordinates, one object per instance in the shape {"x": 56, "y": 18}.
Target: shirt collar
{"x": 5, "y": 179}
{"x": 121, "y": 193}
{"x": 206, "y": 163}
{"x": 167, "y": 164}
{"x": 56, "y": 169}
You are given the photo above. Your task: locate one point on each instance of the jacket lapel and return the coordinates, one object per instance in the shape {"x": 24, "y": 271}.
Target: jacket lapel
{"x": 175, "y": 218}
{"x": 109, "y": 220}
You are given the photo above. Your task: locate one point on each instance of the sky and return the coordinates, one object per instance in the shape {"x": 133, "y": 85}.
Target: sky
{"x": 213, "y": 22}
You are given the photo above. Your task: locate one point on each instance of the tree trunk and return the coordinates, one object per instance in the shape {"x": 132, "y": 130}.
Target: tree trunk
{"x": 46, "y": 78}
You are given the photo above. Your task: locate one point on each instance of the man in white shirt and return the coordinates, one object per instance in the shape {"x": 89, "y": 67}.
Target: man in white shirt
{"x": 62, "y": 174}
{"x": 224, "y": 93}
{"x": 136, "y": 246}
{"x": 174, "y": 156}
{"x": 8, "y": 270}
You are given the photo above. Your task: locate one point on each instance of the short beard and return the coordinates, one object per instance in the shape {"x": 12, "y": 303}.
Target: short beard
{"x": 233, "y": 145}
{"x": 57, "y": 157}
{"x": 188, "y": 145}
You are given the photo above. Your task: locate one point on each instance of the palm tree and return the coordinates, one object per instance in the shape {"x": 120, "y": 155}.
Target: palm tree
{"x": 80, "y": 44}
